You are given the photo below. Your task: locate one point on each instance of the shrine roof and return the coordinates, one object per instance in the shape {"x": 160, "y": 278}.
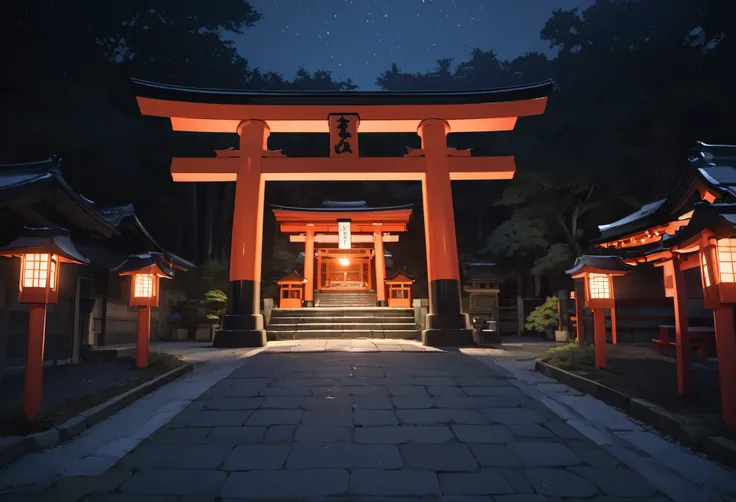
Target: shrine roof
{"x": 292, "y": 278}
{"x": 400, "y": 277}
{"x": 49, "y": 240}
{"x": 717, "y": 218}
{"x": 41, "y": 196}
{"x": 51, "y": 200}
{"x": 222, "y": 110}
{"x": 126, "y": 221}
{"x": 344, "y": 98}
{"x": 141, "y": 261}
{"x": 713, "y": 167}
{"x": 716, "y": 165}
{"x": 343, "y": 207}
{"x": 610, "y": 264}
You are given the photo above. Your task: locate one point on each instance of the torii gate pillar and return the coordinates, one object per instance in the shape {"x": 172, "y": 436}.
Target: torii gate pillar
{"x": 242, "y": 325}
{"x": 446, "y": 324}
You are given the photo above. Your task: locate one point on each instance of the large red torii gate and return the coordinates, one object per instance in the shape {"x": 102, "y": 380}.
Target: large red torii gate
{"x": 255, "y": 114}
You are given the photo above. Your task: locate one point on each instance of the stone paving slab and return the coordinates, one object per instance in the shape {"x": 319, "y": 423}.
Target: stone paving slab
{"x": 373, "y": 426}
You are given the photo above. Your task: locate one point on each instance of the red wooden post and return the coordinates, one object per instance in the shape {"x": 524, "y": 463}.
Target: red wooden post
{"x": 319, "y": 273}
{"x": 599, "y": 335}
{"x": 580, "y": 312}
{"x": 309, "y": 269}
{"x": 380, "y": 269}
{"x": 682, "y": 340}
{"x": 144, "y": 336}
{"x": 726, "y": 348}
{"x": 33, "y": 391}
{"x": 614, "y": 331}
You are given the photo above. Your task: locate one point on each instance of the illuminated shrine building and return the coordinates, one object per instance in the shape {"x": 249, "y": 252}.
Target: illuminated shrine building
{"x": 344, "y": 245}
{"x": 691, "y": 236}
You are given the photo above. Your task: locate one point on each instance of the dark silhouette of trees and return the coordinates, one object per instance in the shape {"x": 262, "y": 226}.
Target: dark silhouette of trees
{"x": 638, "y": 82}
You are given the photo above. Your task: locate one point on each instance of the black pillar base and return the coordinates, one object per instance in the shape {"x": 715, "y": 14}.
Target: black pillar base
{"x": 448, "y": 337}
{"x": 381, "y": 303}
{"x": 237, "y": 338}
{"x": 242, "y": 325}
{"x": 446, "y": 325}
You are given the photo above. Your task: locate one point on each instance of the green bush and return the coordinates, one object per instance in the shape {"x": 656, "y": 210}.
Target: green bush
{"x": 216, "y": 300}
{"x": 570, "y": 356}
{"x": 544, "y": 317}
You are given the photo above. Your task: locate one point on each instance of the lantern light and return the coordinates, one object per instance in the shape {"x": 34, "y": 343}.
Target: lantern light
{"x": 143, "y": 285}
{"x": 600, "y": 286}
{"x": 145, "y": 271}
{"x": 344, "y": 262}
{"x": 706, "y": 272}
{"x": 726, "y": 259}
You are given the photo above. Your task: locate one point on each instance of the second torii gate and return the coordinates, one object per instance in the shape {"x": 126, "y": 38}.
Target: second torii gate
{"x": 254, "y": 115}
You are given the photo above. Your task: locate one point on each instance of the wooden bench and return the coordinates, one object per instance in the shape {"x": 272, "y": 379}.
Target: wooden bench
{"x": 699, "y": 337}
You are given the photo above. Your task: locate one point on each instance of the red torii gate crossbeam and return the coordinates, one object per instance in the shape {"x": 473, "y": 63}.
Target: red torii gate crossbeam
{"x": 254, "y": 115}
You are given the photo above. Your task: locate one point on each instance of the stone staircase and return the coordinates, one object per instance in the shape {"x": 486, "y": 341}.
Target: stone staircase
{"x": 345, "y": 299}
{"x": 342, "y": 322}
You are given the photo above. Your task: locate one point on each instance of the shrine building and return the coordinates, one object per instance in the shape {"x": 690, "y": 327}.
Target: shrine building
{"x": 682, "y": 248}
{"x": 343, "y": 115}
{"x": 346, "y": 240}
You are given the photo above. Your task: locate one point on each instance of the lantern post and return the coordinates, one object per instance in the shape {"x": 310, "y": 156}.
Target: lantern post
{"x": 145, "y": 271}
{"x": 41, "y": 253}
{"x": 718, "y": 276}
{"x": 597, "y": 273}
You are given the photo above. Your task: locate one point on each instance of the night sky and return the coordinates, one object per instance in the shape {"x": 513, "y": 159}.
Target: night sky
{"x": 359, "y": 39}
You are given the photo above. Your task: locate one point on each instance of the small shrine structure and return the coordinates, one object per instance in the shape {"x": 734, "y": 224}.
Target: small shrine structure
{"x": 291, "y": 291}
{"x": 399, "y": 290}
{"x": 346, "y": 239}
{"x": 691, "y": 230}
{"x": 483, "y": 285}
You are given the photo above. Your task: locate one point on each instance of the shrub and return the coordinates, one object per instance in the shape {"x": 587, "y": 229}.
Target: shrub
{"x": 570, "y": 356}
{"x": 216, "y": 300}
{"x": 544, "y": 317}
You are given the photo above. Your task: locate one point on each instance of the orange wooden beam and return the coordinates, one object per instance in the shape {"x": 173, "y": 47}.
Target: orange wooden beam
{"x": 376, "y": 218}
{"x": 218, "y": 169}
{"x": 481, "y": 168}
{"x": 332, "y": 239}
{"x": 468, "y": 117}
{"x": 295, "y": 228}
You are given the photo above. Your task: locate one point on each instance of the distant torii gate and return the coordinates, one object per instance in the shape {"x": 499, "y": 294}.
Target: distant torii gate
{"x": 256, "y": 114}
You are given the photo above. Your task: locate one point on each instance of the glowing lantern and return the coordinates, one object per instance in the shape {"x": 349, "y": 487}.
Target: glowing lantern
{"x": 718, "y": 271}
{"x": 41, "y": 251}
{"x": 145, "y": 271}
{"x": 597, "y": 273}
{"x": 344, "y": 262}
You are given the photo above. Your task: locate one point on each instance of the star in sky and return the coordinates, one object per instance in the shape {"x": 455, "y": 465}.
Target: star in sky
{"x": 359, "y": 39}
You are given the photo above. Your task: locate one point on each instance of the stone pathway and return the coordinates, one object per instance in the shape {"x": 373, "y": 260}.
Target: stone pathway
{"x": 333, "y": 425}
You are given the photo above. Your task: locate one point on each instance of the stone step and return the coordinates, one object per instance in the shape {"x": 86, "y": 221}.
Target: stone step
{"x": 342, "y": 326}
{"x": 344, "y": 333}
{"x": 344, "y": 295}
{"x": 345, "y": 304}
{"x": 346, "y": 299}
{"x": 342, "y": 312}
{"x": 368, "y": 319}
